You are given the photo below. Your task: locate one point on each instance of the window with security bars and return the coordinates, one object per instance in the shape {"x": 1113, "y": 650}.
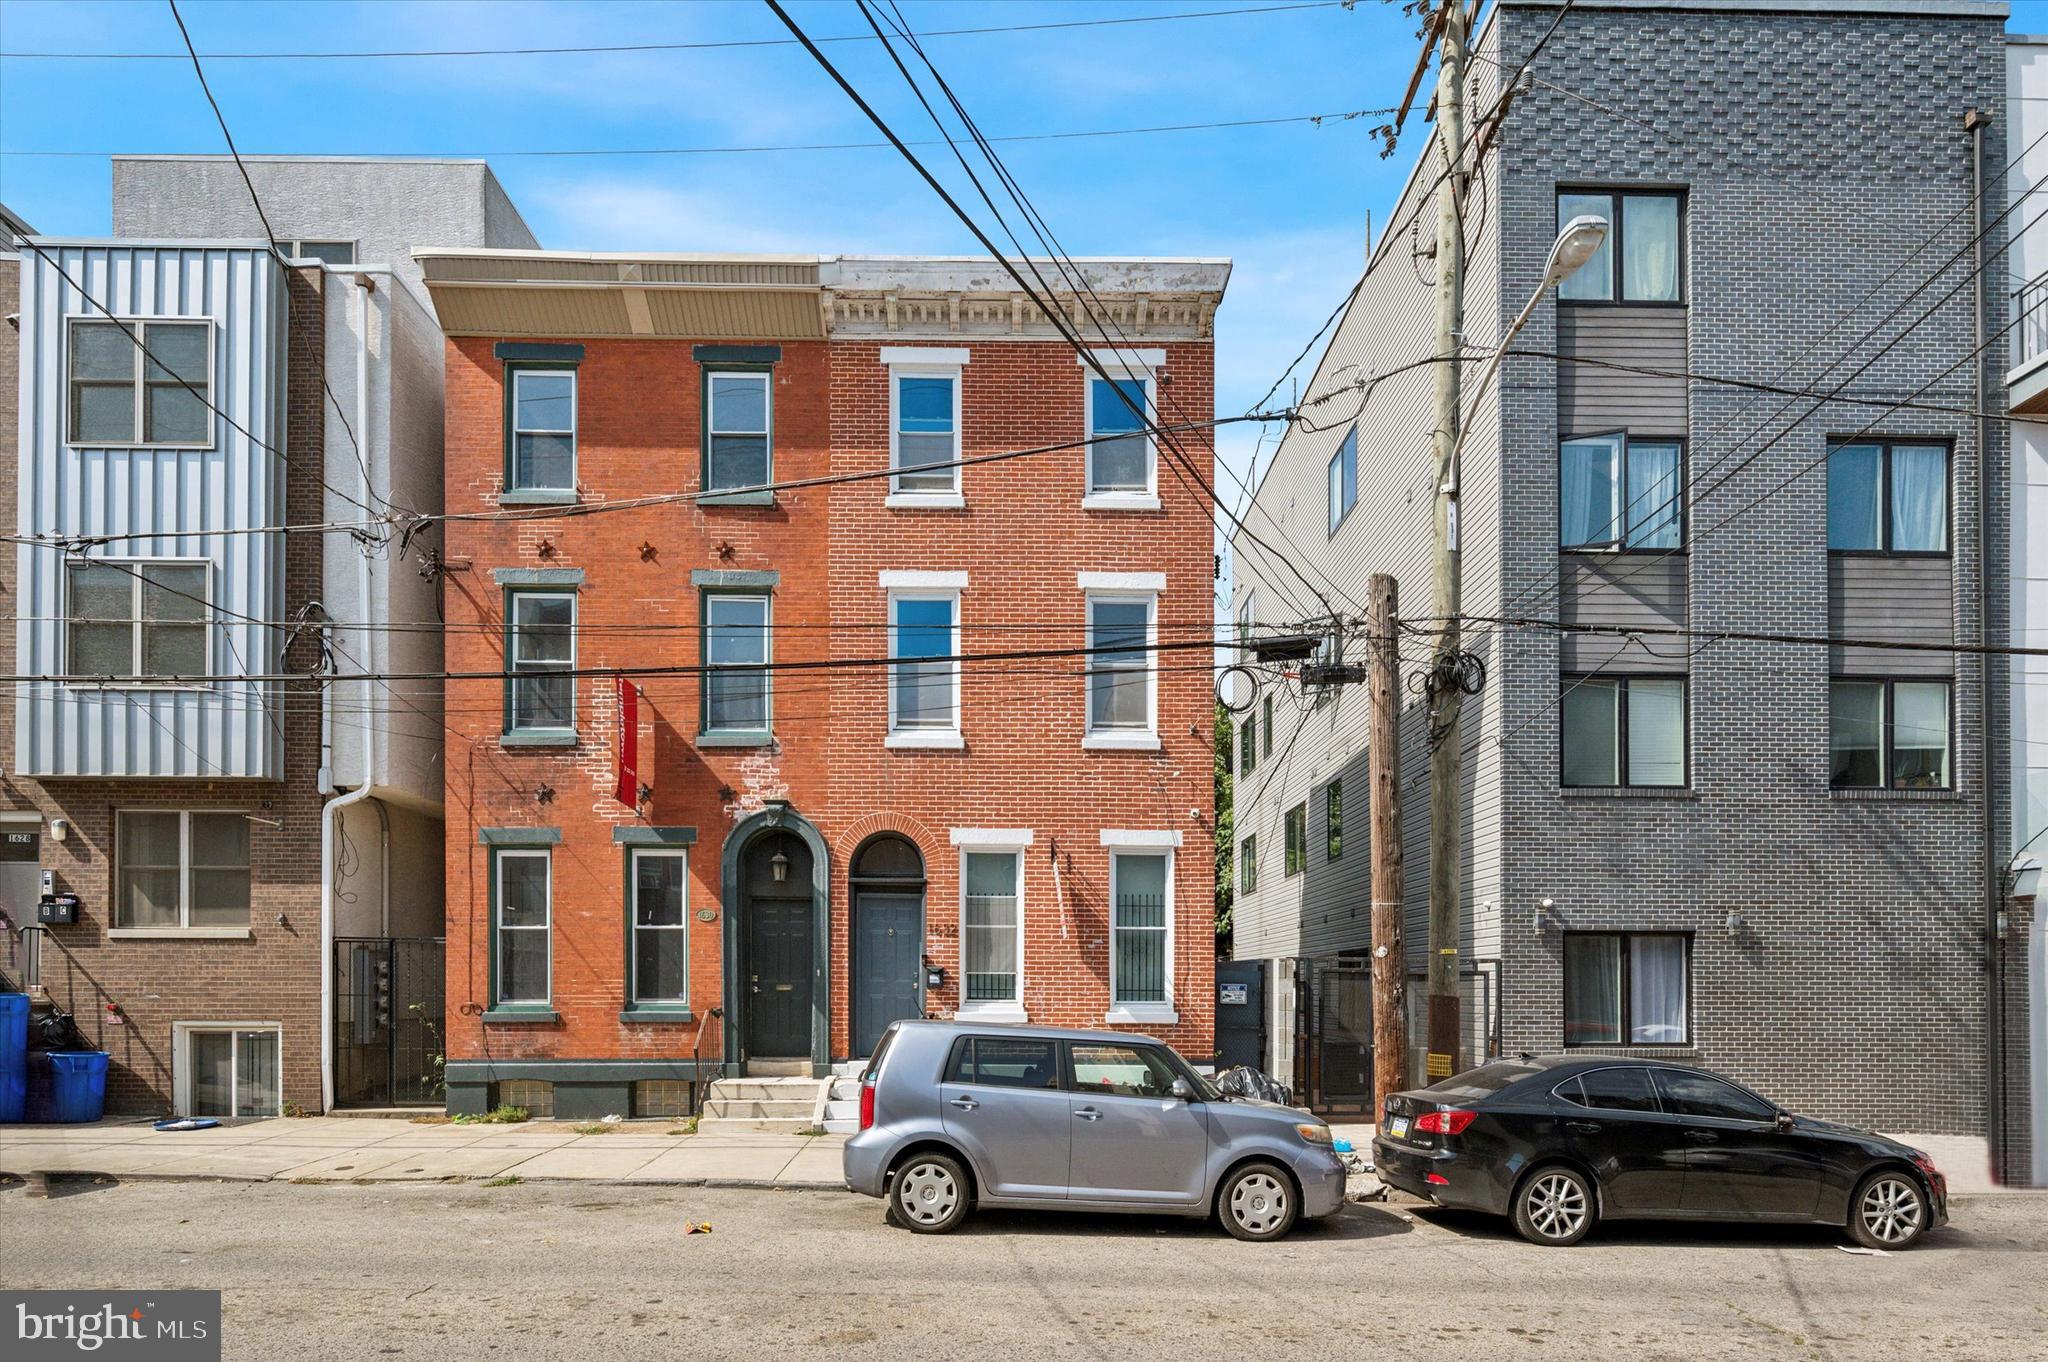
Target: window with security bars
{"x": 991, "y": 927}
{"x": 1142, "y": 926}
{"x": 141, "y": 619}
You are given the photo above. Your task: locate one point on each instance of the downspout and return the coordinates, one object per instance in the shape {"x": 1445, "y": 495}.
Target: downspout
{"x": 1994, "y": 871}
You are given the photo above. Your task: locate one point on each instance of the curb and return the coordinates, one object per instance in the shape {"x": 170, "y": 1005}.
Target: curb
{"x": 453, "y": 1180}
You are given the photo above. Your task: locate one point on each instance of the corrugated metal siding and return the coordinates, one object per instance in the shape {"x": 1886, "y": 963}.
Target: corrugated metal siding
{"x": 1908, "y": 599}
{"x": 1591, "y": 398}
{"x": 177, "y": 500}
{"x": 1624, "y": 592}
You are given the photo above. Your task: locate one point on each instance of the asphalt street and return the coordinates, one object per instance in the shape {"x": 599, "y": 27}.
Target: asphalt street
{"x": 544, "y": 1271}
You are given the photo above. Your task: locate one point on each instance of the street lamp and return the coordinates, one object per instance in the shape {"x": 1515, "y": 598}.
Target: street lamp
{"x": 1580, "y": 240}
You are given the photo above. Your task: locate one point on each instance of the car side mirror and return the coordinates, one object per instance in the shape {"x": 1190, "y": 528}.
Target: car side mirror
{"x": 1182, "y": 1089}
{"x": 1785, "y": 1120}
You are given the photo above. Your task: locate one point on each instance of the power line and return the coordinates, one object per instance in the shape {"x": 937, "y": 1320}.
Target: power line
{"x": 1317, "y": 119}
{"x": 394, "y": 54}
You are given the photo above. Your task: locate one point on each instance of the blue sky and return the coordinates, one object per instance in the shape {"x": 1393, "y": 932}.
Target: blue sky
{"x": 1287, "y": 203}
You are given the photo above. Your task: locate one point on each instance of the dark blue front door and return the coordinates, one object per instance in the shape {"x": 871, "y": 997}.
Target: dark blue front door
{"x": 888, "y": 957}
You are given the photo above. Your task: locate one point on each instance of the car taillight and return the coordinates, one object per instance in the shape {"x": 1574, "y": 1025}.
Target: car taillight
{"x": 1446, "y": 1122}
{"x": 867, "y": 1101}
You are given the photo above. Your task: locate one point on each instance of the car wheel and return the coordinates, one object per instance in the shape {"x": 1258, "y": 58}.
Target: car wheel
{"x": 929, "y": 1194}
{"x": 1889, "y": 1211}
{"x": 1257, "y": 1202}
{"x": 1554, "y": 1207}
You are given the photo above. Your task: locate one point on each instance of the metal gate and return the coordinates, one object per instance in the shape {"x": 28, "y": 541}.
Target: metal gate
{"x": 387, "y": 1021}
{"x": 1333, "y": 1035}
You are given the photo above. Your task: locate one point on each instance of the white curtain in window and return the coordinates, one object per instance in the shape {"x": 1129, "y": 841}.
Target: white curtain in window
{"x": 1656, "y": 732}
{"x": 1919, "y": 498}
{"x": 1592, "y": 990}
{"x": 1589, "y": 491}
{"x": 1656, "y": 1008}
{"x": 1920, "y": 734}
{"x": 1593, "y": 280}
{"x": 1652, "y": 496}
{"x": 1649, "y": 237}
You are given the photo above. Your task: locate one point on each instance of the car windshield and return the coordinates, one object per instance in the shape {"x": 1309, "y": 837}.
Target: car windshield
{"x": 1483, "y": 1081}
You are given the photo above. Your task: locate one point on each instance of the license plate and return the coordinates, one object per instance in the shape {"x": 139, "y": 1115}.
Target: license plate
{"x": 1398, "y": 1128}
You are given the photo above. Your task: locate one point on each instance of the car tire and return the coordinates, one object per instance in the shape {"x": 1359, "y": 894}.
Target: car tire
{"x": 930, "y": 1194}
{"x": 1889, "y": 1210}
{"x": 1555, "y": 1207}
{"x": 1258, "y": 1203}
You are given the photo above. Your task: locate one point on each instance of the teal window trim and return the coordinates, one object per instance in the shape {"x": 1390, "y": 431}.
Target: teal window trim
{"x": 520, "y": 1009}
{"x": 644, "y": 1014}
{"x": 653, "y": 1009}
{"x": 520, "y": 1014}
{"x": 510, "y": 487}
{"x": 715, "y": 496}
{"x": 708, "y": 736}
{"x": 533, "y": 735}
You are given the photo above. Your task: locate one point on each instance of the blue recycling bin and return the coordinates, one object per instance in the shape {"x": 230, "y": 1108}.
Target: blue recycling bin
{"x": 13, "y": 1055}
{"x": 66, "y": 1087}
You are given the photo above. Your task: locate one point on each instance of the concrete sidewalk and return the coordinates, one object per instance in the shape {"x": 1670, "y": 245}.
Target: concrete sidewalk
{"x": 334, "y": 1149}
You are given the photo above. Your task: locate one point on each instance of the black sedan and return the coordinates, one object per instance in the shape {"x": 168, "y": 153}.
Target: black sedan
{"x": 1557, "y": 1144}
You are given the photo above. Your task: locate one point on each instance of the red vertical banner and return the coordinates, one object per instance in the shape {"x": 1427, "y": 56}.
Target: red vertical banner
{"x": 629, "y": 744}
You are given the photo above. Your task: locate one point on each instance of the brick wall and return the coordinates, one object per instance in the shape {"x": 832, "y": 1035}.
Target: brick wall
{"x": 126, "y": 994}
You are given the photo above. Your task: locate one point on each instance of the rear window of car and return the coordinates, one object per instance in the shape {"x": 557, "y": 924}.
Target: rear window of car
{"x": 1610, "y": 1090}
{"x": 1004, "y": 1062}
{"x": 1483, "y": 1081}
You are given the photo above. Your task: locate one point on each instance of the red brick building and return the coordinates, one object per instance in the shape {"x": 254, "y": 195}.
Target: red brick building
{"x": 915, "y": 730}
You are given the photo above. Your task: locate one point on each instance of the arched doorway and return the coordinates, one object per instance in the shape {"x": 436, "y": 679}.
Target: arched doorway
{"x": 777, "y": 940}
{"x": 887, "y": 966}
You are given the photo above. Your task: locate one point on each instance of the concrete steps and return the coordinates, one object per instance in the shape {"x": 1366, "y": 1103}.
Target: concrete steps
{"x": 783, "y": 1104}
{"x": 842, "y": 1098}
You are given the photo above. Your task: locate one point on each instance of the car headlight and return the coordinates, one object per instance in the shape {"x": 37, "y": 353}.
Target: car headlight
{"x": 1314, "y": 1132}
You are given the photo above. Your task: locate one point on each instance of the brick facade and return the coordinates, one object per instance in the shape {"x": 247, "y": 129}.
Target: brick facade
{"x": 126, "y": 993}
{"x": 1021, "y": 538}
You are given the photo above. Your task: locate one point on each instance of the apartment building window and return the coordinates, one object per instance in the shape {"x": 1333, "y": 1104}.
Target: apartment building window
{"x": 924, "y": 424}
{"x": 1622, "y": 731}
{"x": 181, "y": 870}
{"x": 737, "y": 684}
{"x": 1295, "y": 850}
{"x": 1333, "y": 820}
{"x": 1120, "y": 690}
{"x": 1248, "y": 743}
{"x": 141, "y": 381}
{"x": 1266, "y": 727}
{"x": 137, "y": 618}
{"x": 660, "y": 927}
{"x": 1889, "y": 734}
{"x": 1643, "y": 258}
{"x": 1141, "y": 940}
{"x": 1342, "y": 477}
{"x": 924, "y": 643}
{"x": 1627, "y": 988}
{"x": 738, "y": 426}
{"x": 522, "y": 950}
{"x": 1120, "y": 460}
{"x": 1888, "y": 498}
{"x": 543, "y": 453}
{"x": 540, "y": 650}
{"x": 1248, "y": 863}
{"x": 326, "y": 252}
{"x": 1615, "y": 492}
{"x": 992, "y": 928}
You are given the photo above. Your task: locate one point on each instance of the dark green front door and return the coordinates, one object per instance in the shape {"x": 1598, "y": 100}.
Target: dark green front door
{"x": 779, "y": 978}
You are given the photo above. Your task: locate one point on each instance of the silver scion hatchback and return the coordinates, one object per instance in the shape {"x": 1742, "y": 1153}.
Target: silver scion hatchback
{"x": 954, "y": 1115}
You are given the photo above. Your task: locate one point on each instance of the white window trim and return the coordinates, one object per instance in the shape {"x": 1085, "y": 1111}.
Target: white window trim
{"x": 1142, "y": 1013}
{"x": 1124, "y": 361}
{"x": 512, "y": 627}
{"x": 575, "y": 411}
{"x": 1120, "y": 581}
{"x": 1144, "y": 739}
{"x": 923, "y": 586}
{"x": 1140, "y": 837}
{"x": 1119, "y": 500}
{"x": 998, "y": 842}
{"x": 181, "y": 1061}
{"x": 712, "y": 374}
{"x": 917, "y": 362}
{"x": 182, "y": 932}
{"x": 633, "y": 927}
{"x": 547, "y": 929}
{"x": 142, "y": 370}
{"x": 135, "y": 600}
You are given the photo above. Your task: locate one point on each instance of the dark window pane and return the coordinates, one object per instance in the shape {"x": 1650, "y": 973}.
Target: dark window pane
{"x": 543, "y": 701}
{"x": 1487, "y": 1078}
{"x": 1003, "y": 1063}
{"x": 523, "y": 965}
{"x": 174, "y": 415}
{"x": 102, "y": 351}
{"x": 1854, "y": 510}
{"x": 523, "y": 890}
{"x": 738, "y": 461}
{"x": 1618, "y": 1090}
{"x": 102, "y": 413}
{"x": 660, "y": 965}
{"x": 1593, "y": 281}
{"x": 544, "y": 462}
{"x": 1702, "y": 1095}
{"x": 1855, "y": 733}
{"x": 175, "y": 351}
{"x": 658, "y": 891}
{"x": 1592, "y": 735}
{"x": 1592, "y": 990}
{"x": 544, "y": 401}
{"x": 736, "y": 699}
{"x": 739, "y": 404}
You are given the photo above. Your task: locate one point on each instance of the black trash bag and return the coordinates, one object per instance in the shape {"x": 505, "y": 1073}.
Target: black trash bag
{"x": 1244, "y": 1081}
{"x": 55, "y": 1030}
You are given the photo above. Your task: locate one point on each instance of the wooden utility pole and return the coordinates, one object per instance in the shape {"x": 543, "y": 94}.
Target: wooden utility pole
{"x": 1383, "y": 781}
{"x": 1445, "y": 816}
